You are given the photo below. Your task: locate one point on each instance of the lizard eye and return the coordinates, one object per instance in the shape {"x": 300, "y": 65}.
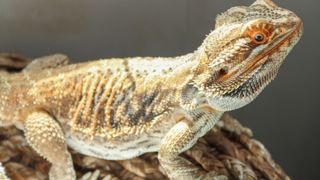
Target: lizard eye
{"x": 259, "y": 38}
{"x": 259, "y": 32}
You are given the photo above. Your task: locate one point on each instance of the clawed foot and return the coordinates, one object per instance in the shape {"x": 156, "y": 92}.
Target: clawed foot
{"x": 91, "y": 175}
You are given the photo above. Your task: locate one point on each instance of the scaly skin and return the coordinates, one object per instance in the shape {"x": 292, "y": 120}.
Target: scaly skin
{"x": 120, "y": 108}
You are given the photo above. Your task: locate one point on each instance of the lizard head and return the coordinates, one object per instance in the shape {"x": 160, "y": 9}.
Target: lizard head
{"x": 244, "y": 52}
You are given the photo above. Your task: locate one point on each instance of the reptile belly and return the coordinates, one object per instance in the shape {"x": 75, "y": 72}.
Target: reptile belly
{"x": 114, "y": 151}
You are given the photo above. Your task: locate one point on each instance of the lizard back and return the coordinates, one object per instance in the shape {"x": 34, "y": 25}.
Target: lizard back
{"x": 107, "y": 98}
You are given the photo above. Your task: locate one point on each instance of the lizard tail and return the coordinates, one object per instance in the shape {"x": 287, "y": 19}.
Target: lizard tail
{"x": 8, "y": 63}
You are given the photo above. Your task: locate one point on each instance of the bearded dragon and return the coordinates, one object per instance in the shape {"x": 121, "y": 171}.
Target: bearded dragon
{"x": 117, "y": 109}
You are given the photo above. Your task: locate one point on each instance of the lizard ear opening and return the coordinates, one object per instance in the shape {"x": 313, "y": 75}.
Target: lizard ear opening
{"x": 268, "y": 3}
{"x": 230, "y": 16}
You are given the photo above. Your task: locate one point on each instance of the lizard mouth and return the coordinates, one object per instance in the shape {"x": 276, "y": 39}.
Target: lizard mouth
{"x": 281, "y": 41}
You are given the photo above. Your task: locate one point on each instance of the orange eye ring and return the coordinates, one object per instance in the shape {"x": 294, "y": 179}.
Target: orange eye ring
{"x": 259, "y": 31}
{"x": 259, "y": 38}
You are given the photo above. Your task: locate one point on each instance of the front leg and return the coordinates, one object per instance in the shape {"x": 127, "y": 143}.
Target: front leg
{"x": 46, "y": 137}
{"x": 181, "y": 137}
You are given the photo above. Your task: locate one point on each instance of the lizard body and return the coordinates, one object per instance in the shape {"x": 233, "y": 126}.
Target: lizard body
{"x": 120, "y": 108}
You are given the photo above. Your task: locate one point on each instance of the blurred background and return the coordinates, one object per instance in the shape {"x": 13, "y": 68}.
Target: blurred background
{"x": 284, "y": 117}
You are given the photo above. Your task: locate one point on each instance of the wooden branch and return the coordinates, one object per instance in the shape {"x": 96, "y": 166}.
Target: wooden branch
{"x": 228, "y": 150}
{"x": 15, "y": 62}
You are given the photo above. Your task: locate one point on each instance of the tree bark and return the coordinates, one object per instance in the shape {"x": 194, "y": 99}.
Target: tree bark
{"x": 228, "y": 149}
